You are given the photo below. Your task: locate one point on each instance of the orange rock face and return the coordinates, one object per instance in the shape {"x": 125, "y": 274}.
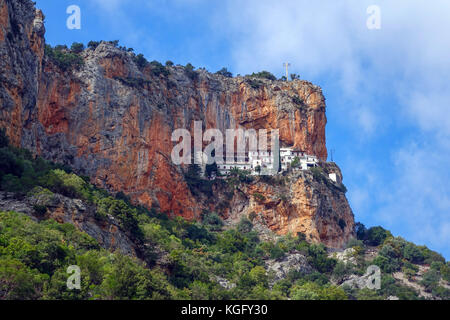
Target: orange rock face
{"x": 112, "y": 121}
{"x": 297, "y": 202}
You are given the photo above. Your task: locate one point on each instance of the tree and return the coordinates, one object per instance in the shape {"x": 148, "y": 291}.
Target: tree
{"x": 77, "y": 47}
{"x": 361, "y": 231}
{"x": 93, "y": 44}
{"x": 295, "y": 76}
{"x": 264, "y": 75}
{"x": 377, "y": 235}
{"x": 169, "y": 63}
{"x": 190, "y": 72}
{"x": 224, "y": 72}
{"x": 140, "y": 61}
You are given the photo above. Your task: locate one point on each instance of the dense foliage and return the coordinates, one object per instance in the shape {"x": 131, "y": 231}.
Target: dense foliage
{"x": 63, "y": 57}
{"x": 184, "y": 260}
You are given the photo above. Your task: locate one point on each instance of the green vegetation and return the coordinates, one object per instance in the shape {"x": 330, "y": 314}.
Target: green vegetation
{"x": 63, "y": 57}
{"x": 133, "y": 82}
{"x": 254, "y": 83}
{"x": 157, "y": 69}
{"x": 190, "y": 72}
{"x": 178, "y": 259}
{"x": 224, "y": 72}
{"x": 77, "y": 47}
{"x": 140, "y": 61}
{"x": 263, "y": 75}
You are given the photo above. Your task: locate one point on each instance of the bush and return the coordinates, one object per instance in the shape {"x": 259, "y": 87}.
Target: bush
{"x": 212, "y": 221}
{"x": 431, "y": 280}
{"x": 140, "y": 61}
{"x": 11, "y": 183}
{"x": 412, "y": 253}
{"x": 10, "y": 163}
{"x": 77, "y": 47}
{"x": 245, "y": 225}
{"x": 255, "y": 84}
{"x": 377, "y": 235}
{"x": 189, "y": 70}
{"x": 317, "y": 257}
{"x": 40, "y": 210}
{"x": 62, "y": 58}
{"x": 93, "y": 44}
{"x": 276, "y": 253}
{"x": 388, "y": 259}
{"x": 263, "y": 75}
{"x": 361, "y": 231}
{"x": 158, "y": 69}
{"x": 169, "y": 63}
{"x": 224, "y": 72}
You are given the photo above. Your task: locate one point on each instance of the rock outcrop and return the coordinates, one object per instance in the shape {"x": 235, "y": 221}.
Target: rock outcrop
{"x": 300, "y": 201}
{"x": 292, "y": 262}
{"x": 112, "y": 120}
{"x": 107, "y": 231}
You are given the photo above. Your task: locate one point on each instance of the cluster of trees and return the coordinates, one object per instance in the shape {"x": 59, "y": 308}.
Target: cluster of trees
{"x": 63, "y": 57}
{"x": 34, "y": 256}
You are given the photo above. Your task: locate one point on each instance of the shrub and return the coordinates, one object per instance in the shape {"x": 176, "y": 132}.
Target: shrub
{"x": 317, "y": 256}
{"x": 430, "y": 279}
{"x": 62, "y": 58}
{"x": 40, "y": 209}
{"x": 255, "y": 84}
{"x": 77, "y": 47}
{"x": 140, "y": 61}
{"x": 276, "y": 252}
{"x": 361, "y": 231}
{"x": 263, "y": 75}
{"x": 354, "y": 243}
{"x": 11, "y": 183}
{"x": 189, "y": 70}
{"x": 169, "y": 63}
{"x": 158, "y": 69}
{"x": 224, "y": 72}
{"x": 93, "y": 44}
{"x": 412, "y": 253}
{"x": 245, "y": 225}
{"x": 212, "y": 221}
{"x": 10, "y": 163}
{"x": 377, "y": 235}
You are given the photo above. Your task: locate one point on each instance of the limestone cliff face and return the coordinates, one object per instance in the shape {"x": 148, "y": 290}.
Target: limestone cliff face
{"x": 113, "y": 121}
{"x": 301, "y": 201}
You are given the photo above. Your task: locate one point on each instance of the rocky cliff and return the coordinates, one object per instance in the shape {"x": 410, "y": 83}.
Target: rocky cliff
{"x": 112, "y": 120}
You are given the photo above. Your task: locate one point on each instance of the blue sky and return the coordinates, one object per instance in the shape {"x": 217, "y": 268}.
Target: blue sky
{"x": 387, "y": 90}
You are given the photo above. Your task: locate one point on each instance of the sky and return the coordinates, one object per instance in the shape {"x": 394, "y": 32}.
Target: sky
{"x": 387, "y": 89}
